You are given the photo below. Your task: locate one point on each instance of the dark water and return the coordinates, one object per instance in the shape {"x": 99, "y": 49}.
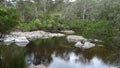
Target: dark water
{"x": 57, "y": 53}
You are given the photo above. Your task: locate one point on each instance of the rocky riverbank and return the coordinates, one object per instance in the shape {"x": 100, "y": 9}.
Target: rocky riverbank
{"x": 22, "y": 38}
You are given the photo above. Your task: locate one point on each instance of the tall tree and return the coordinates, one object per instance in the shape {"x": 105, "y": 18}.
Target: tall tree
{"x": 8, "y": 20}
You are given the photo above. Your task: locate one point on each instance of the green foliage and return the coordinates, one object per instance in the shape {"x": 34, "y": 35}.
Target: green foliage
{"x": 75, "y": 24}
{"x": 33, "y": 25}
{"x": 104, "y": 31}
{"x": 51, "y": 21}
{"x": 101, "y": 28}
{"x": 47, "y": 14}
{"x": 8, "y": 20}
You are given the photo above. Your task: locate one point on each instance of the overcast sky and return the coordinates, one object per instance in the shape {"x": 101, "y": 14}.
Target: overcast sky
{"x": 53, "y": 0}
{"x": 72, "y": 0}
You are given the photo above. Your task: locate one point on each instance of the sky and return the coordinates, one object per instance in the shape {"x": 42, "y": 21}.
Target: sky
{"x": 53, "y": 0}
{"x": 72, "y": 0}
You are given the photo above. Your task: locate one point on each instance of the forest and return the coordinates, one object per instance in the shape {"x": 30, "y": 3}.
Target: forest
{"x": 37, "y": 28}
{"x": 95, "y": 18}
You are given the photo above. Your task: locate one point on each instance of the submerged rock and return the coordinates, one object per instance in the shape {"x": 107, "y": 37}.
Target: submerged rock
{"x": 75, "y": 38}
{"x": 79, "y": 45}
{"x": 68, "y": 31}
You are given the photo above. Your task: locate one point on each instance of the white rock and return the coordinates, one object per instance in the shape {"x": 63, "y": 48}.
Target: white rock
{"x": 94, "y": 40}
{"x": 56, "y": 35}
{"x": 88, "y": 45}
{"x": 34, "y": 35}
{"x": 21, "y": 41}
{"x": 68, "y": 31}
{"x": 1, "y": 40}
{"x": 8, "y": 40}
{"x": 75, "y": 38}
{"x": 79, "y": 45}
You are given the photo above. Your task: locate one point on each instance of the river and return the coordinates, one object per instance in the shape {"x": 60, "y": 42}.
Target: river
{"x": 56, "y": 53}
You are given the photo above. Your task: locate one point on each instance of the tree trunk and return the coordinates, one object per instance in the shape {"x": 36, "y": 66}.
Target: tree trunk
{"x": 84, "y": 11}
{"x": 5, "y": 4}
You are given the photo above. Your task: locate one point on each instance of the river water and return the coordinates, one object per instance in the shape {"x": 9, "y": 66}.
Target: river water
{"x": 56, "y": 53}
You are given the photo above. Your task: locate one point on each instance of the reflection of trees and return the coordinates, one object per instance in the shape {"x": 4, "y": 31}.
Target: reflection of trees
{"x": 30, "y": 47}
{"x": 114, "y": 59}
{"x": 100, "y": 52}
{"x": 63, "y": 54}
{"x": 43, "y": 49}
{"x": 13, "y": 57}
{"x": 0, "y": 61}
{"x": 43, "y": 56}
{"x": 106, "y": 55}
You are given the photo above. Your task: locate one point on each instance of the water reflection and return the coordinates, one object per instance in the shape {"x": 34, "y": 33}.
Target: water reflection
{"x": 114, "y": 59}
{"x": 74, "y": 61}
{"x": 12, "y": 56}
{"x": 56, "y": 53}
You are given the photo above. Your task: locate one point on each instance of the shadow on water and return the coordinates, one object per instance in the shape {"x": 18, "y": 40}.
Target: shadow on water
{"x": 56, "y": 53}
{"x": 12, "y": 56}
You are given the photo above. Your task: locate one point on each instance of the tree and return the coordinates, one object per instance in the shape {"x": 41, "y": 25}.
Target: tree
{"x": 8, "y": 20}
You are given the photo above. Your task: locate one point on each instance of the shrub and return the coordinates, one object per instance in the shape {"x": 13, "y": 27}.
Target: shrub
{"x": 100, "y": 30}
{"x": 33, "y": 25}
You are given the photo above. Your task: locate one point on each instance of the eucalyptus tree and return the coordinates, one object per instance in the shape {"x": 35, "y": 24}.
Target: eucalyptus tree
{"x": 25, "y": 10}
{"x": 8, "y": 20}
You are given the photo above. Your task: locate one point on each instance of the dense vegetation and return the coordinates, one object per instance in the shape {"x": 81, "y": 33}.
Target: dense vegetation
{"x": 8, "y": 20}
{"x": 95, "y": 18}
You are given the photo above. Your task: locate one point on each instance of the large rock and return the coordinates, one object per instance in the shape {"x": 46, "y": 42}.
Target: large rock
{"x": 94, "y": 40}
{"x": 79, "y": 45}
{"x": 37, "y": 35}
{"x": 75, "y": 38}
{"x": 21, "y": 41}
{"x": 88, "y": 45}
{"x": 56, "y": 35}
{"x": 8, "y": 40}
{"x": 21, "y": 38}
{"x": 68, "y": 31}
